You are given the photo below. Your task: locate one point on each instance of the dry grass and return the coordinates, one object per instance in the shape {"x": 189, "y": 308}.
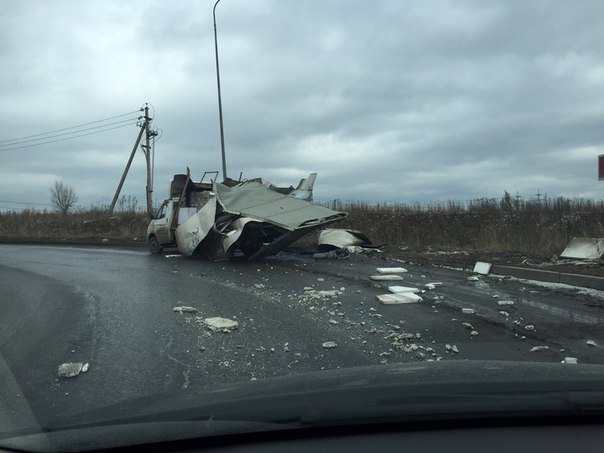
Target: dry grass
{"x": 485, "y": 225}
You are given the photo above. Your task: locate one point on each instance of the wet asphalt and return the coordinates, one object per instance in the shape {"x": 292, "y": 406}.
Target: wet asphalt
{"x": 114, "y": 310}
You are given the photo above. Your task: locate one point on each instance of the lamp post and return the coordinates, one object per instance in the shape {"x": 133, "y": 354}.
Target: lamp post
{"x": 224, "y": 170}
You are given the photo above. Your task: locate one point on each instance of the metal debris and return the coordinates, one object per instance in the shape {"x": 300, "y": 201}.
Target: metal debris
{"x": 70, "y": 369}
{"x": 184, "y": 309}
{"x": 218, "y": 324}
{"x": 330, "y": 345}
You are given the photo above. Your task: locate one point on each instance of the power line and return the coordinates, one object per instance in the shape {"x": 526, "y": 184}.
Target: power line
{"x": 70, "y": 133}
{"x": 24, "y": 203}
{"x": 68, "y": 128}
{"x": 66, "y": 138}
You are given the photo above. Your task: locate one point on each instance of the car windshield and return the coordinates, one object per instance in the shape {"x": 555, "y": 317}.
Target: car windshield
{"x": 207, "y": 204}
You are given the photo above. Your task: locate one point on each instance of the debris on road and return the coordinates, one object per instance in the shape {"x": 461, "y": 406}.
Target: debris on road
{"x": 386, "y": 277}
{"x": 467, "y": 311}
{"x": 452, "y": 348}
{"x": 398, "y": 298}
{"x": 402, "y": 289}
{"x": 591, "y": 343}
{"x": 391, "y": 270}
{"x": 70, "y": 369}
{"x": 590, "y": 249}
{"x": 330, "y": 345}
{"x": 482, "y": 268}
{"x": 184, "y": 309}
{"x": 337, "y": 238}
{"x": 218, "y": 324}
{"x": 539, "y": 348}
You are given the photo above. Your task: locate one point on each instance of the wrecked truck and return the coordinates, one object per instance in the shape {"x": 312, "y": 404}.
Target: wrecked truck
{"x": 248, "y": 219}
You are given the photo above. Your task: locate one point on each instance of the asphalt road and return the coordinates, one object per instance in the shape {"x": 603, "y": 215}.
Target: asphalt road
{"x": 113, "y": 309}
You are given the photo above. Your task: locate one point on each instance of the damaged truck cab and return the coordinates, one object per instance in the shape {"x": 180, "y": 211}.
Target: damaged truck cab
{"x": 250, "y": 219}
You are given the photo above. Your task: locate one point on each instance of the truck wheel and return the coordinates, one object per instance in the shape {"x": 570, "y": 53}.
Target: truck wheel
{"x": 154, "y": 245}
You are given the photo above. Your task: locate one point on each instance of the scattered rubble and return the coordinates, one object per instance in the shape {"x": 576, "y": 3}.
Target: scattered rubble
{"x": 539, "y": 348}
{"x": 452, "y": 348}
{"x": 184, "y": 309}
{"x": 71, "y": 369}
{"x": 218, "y": 324}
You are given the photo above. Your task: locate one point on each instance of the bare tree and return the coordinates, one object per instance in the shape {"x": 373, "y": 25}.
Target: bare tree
{"x": 63, "y": 197}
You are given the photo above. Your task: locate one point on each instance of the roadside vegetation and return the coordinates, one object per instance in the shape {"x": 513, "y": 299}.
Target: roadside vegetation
{"x": 536, "y": 228}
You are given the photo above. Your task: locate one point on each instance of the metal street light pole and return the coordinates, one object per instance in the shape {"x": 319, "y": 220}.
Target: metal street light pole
{"x": 224, "y": 170}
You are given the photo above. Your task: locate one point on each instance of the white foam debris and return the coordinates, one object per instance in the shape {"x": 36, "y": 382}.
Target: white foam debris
{"x": 482, "y": 268}
{"x": 184, "y": 309}
{"x": 70, "y": 369}
{"x": 572, "y": 360}
{"x": 386, "y": 277}
{"x": 467, "y": 311}
{"x": 591, "y": 343}
{"x": 539, "y": 348}
{"x": 218, "y": 324}
{"x": 330, "y": 345}
{"x": 398, "y": 298}
{"x": 391, "y": 270}
{"x": 403, "y": 289}
{"x": 452, "y": 348}
{"x": 505, "y": 302}
{"x": 472, "y": 278}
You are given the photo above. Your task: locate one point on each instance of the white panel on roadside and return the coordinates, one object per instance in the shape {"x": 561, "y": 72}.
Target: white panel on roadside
{"x": 482, "y": 268}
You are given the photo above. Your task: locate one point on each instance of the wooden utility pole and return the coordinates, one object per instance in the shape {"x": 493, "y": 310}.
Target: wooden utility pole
{"x": 147, "y": 150}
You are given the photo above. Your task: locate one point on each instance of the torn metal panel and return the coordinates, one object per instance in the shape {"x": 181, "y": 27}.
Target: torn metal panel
{"x": 584, "y": 249}
{"x": 340, "y": 238}
{"x": 251, "y": 217}
{"x": 193, "y": 230}
{"x": 252, "y": 199}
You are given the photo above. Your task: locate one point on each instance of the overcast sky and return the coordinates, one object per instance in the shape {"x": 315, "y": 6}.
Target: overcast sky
{"x": 386, "y": 100}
